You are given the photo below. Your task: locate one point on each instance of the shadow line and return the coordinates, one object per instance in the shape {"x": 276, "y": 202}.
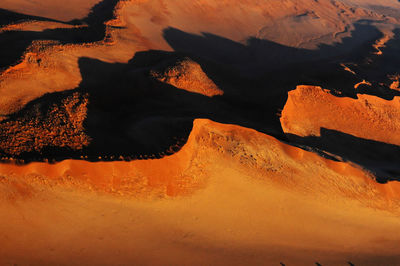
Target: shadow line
{"x": 379, "y": 158}
{"x": 93, "y": 30}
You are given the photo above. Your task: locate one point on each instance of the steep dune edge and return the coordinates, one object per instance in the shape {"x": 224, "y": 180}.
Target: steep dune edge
{"x": 310, "y": 108}
{"x": 139, "y": 26}
{"x": 211, "y": 144}
{"x": 243, "y": 197}
{"x": 35, "y": 26}
{"x": 364, "y": 130}
{"x": 188, "y": 75}
{"x": 231, "y": 195}
{"x": 50, "y": 62}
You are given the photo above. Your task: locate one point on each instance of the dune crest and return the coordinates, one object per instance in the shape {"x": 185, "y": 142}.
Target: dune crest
{"x": 310, "y": 108}
{"x": 139, "y": 26}
{"x": 211, "y": 145}
{"x": 167, "y": 132}
{"x": 189, "y": 76}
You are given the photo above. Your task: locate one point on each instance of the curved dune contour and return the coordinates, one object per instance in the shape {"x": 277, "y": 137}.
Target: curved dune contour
{"x": 140, "y": 25}
{"x": 189, "y": 76}
{"x": 212, "y": 143}
{"x": 204, "y": 199}
{"x": 111, "y": 153}
{"x": 310, "y": 108}
{"x": 363, "y": 130}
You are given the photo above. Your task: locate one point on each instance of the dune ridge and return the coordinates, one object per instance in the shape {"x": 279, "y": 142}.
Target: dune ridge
{"x": 124, "y": 37}
{"x": 205, "y": 196}
{"x": 189, "y": 76}
{"x": 156, "y": 132}
{"x": 211, "y": 143}
{"x": 310, "y": 108}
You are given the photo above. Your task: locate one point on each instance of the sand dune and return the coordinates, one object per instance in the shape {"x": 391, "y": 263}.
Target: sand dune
{"x": 325, "y": 22}
{"x": 209, "y": 143}
{"x": 362, "y": 130}
{"x": 189, "y": 76}
{"x": 54, "y": 9}
{"x": 100, "y": 163}
{"x": 230, "y": 193}
{"x": 309, "y": 109}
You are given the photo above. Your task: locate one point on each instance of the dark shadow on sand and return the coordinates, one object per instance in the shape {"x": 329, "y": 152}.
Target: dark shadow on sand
{"x": 9, "y": 17}
{"x": 133, "y": 115}
{"x": 381, "y": 159}
{"x": 262, "y": 67}
{"x": 13, "y": 44}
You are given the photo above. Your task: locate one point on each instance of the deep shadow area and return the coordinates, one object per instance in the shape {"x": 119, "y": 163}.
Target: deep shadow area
{"x": 380, "y": 158}
{"x": 258, "y": 56}
{"x": 100, "y": 13}
{"x": 8, "y": 17}
{"x": 92, "y": 29}
{"x": 132, "y": 115}
{"x": 262, "y": 67}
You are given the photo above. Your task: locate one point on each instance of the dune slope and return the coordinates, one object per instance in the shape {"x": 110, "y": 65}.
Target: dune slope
{"x": 167, "y": 132}
{"x": 229, "y": 196}
{"x": 363, "y": 130}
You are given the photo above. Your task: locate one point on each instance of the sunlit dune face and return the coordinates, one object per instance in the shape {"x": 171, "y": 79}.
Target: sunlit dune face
{"x": 53, "y": 9}
{"x": 309, "y": 109}
{"x": 175, "y": 132}
{"x": 210, "y": 144}
{"x": 296, "y": 23}
{"x": 189, "y": 76}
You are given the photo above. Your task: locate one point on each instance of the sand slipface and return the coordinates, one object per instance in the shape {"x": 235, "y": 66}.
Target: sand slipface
{"x": 188, "y": 75}
{"x": 276, "y": 22}
{"x": 100, "y": 165}
{"x": 311, "y": 108}
{"x": 204, "y": 196}
{"x": 211, "y": 144}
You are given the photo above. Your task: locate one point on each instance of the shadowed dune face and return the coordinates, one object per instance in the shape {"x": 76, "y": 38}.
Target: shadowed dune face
{"x": 379, "y": 158}
{"x": 188, "y": 75}
{"x": 248, "y": 77}
{"x": 203, "y": 197}
{"x": 168, "y": 132}
{"x": 274, "y": 20}
{"x": 9, "y": 17}
{"x": 145, "y": 31}
{"x": 142, "y": 116}
{"x": 58, "y": 69}
{"x": 55, "y": 127}
{"x": 365, "y": 127}
{"x": 165, "y": 91}
{"x": 210, "y": 144}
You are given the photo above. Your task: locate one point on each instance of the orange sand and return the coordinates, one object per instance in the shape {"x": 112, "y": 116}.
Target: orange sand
{"x": 189, "y": 76}
{"x": 309, "y": 109}
{"x": 55, "y": 9}
{"x": 231, "y": 196}
{"x": 140, "y": 27}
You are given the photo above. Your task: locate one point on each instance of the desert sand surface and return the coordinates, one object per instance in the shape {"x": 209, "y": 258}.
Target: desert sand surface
{"x": 282, "y": 204}
{"x": 167, "y": 132}
{"x": 52, "y": 9}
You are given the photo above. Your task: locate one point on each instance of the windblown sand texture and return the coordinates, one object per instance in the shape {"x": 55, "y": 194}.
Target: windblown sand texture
{"x": 169, "y": 132}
